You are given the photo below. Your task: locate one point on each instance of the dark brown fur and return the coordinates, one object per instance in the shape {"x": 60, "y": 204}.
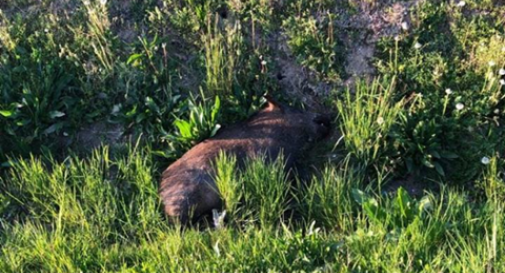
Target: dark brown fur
{"x": 187, "y": 186}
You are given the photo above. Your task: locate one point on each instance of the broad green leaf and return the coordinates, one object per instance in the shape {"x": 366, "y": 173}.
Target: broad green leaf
{"x": 428, "y": 163}
{"x": 53, "y": 128}
{"x": 184, "y": 128}
{"x": 133, "y": 58}
{"x": 6, "y": 113}
{"x": 56, "y": 114}
{"x": 216, "y": 108}
{"x": 132, "y": 112}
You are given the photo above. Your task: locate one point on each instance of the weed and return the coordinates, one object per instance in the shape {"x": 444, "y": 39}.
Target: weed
{"x": 367, "y": 117}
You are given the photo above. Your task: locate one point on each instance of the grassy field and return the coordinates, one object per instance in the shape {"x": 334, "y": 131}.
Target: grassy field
{"x": 98, "y": 97}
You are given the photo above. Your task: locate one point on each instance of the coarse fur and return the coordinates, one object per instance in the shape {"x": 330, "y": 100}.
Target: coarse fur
{"x": 187, "y": 187}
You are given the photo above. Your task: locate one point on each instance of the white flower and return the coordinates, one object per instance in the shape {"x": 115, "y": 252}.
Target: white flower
{"x": 46, "y": 30}
{"x": 218, "y": 218}
{"x": 405, "y": 26}
{"x": 502, "y": 82}
{"x": 501, "y": 72}
{"x": 448, "y": 91}
{"x": 86, "y": 2}
{"x": 397, "y": 38}
{"x": 460, "y": 106}
{"x": 103, "y": 2}
{"x": 417, "y": 46}
{"x": 263, "y": 62}
{"x": 461, "y": 4}
{"x": 491, "y": 63}
{"x": 496, "y": 111}
{"x": 380, "y": 120}
{"x": 485, "y": 160}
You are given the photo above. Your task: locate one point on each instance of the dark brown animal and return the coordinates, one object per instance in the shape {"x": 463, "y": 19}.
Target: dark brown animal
{"x": 187, "y": 187}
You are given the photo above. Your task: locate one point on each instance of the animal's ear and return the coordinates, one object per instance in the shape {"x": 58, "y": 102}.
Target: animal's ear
{"x": 272, "y": 104}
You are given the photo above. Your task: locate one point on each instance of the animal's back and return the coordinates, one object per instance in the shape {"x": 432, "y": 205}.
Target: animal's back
{"x": 188, "y": 189}
{"x": 189, "y": 182}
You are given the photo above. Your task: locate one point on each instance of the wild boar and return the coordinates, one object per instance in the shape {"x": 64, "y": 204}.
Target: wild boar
{"x": 187, "y": 188}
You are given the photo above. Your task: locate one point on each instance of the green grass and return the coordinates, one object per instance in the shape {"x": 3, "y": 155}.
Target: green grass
{"x": 103, "y": 214}
{"x": 170, "y": 73}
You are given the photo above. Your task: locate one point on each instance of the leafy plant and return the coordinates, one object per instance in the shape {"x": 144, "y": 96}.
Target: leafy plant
{"x": 202, "y": 122}
{"x": 452, "y": 88}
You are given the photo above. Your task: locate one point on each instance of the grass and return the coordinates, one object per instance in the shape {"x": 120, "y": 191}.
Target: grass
{"x": 102, "y": 214}
{"x": 367, "y": 118}
{"x": 170, "y": 73}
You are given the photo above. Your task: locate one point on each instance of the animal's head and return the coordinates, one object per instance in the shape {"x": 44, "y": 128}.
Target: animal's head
{"x": 314, "y": 126}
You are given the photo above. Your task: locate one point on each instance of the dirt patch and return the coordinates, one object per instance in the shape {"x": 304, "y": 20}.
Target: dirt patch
{"x": 361, "y": 31}
{"x": 294, "y": 79}
{"x": 358, "y": 62}
{"x": 300, "y": 83}
{"x": 96, "y": 134}
{"x": 413, "y": 187}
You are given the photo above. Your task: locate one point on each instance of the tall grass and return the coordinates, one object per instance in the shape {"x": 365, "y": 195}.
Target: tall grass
{"x": 229, "y": 184}
{"x": 328, "y": 200}
{"x": 266, "y": 191}
{"x": 257, "y": 194}
{"x": 102, "y": 214}
{"x": 223, "y": 42}
{"x": 99, "y": 33}
{"x": 367, "y": 116}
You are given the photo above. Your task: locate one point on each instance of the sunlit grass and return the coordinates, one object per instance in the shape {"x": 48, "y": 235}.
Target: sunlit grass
{"x": 102, "y": 214}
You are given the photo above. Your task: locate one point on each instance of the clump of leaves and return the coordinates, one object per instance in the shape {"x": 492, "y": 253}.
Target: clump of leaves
{"x": 447, "y": 126}
{"x": 201, "y": 123}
